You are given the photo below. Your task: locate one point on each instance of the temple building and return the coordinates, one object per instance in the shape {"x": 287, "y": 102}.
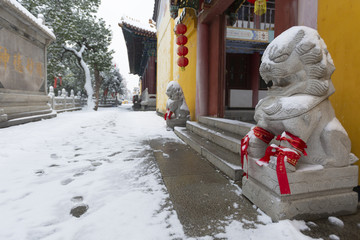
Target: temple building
{"x": 141, "y": 46}
{"x": 225, "y": 40}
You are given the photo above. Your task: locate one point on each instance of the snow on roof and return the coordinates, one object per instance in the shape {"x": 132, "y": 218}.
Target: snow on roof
{"x": 136, "y": 24}
{"x": 18, "y": 8}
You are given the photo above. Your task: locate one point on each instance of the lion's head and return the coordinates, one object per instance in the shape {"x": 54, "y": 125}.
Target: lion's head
{"x": 297, "y": 61}
{"x": 174, "y": 91}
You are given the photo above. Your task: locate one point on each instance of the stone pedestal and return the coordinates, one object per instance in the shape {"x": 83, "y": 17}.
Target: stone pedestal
{"x": 3, "y": 116}
{"x": 23, "y": 71}
{"x": 316, "y": 192}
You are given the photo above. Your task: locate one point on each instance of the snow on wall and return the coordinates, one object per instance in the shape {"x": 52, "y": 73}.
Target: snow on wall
{"x": 18, "y": 8}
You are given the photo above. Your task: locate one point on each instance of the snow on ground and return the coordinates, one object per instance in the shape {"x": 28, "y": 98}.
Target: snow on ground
{"x": 99, "y": 162}
{"x": 97, "y": 156}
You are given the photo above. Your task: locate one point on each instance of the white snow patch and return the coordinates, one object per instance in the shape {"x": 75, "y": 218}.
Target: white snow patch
{"x": 297, "y": 102}
{"x": 282, "y": 230}
{"x": 311, "y": 224}
{"x": 335, "y": 125}
{"x": 302, "y": 167}
{"x": 334, "y": 237}
{"x": 263, "y": 218}
{"x": 336, "y": 221}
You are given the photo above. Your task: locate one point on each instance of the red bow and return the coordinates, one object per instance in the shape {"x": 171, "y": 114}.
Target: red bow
{"x": 258, "y": 132}
{"x": 168, "y": 114}
{"x": 282, "y": 154}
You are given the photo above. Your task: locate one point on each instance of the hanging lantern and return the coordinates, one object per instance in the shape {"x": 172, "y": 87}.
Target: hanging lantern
{"x": 182, "y": 50}
{"x": 183, "y": 62}
{"x": 180, "y": 29}
{"x": 181, "y": 40}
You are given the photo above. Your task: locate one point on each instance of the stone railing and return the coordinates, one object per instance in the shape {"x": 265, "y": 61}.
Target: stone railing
{"x": 63, "y": 102}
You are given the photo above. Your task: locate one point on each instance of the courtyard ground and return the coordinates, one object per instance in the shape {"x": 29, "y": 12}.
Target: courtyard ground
{"x": 118, "y": 174}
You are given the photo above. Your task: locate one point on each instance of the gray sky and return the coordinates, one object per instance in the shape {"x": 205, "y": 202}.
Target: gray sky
{"x": 112, "y": 11}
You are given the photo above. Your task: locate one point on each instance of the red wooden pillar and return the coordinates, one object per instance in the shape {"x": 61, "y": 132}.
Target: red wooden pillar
{"x": 217, "y": 67}
{"x": 255, "y": 81}
{"x": 151, "y": 75}
{"x": 210, "y": 69}
{"x": 202, "y": 70}
{"x": 286, "y": 15}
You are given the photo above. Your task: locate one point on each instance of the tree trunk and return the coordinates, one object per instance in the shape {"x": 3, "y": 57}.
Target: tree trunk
{"x": 88, "y": 87}
{"x": 98, "y": 80}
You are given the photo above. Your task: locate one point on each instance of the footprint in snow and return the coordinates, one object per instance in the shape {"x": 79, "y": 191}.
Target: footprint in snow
{"x": 96, "y": 164}
{"x": 66, "y": 181}
{"x": 77, "y": 199}
{"x": 39, "y": 172}
{"x": 79, "y": 210}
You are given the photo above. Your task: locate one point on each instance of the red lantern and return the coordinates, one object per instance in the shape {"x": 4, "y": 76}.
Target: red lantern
{"x": 181, "y": 40}
{"x": 180, "y": 29}
{"x": 182, "y": 62}
{"x": 182, "y": 50}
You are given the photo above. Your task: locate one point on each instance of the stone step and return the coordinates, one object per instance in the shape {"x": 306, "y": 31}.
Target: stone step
{"x": 233, "y": 126}
{"x": 31, "y": 118}
{"x": 223, "y": 159}
{"x": 244, "y": 115}
{"x": 218, "y": 136}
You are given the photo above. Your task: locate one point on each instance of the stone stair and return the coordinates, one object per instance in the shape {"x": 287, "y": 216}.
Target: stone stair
{"x": 218, "y": 140}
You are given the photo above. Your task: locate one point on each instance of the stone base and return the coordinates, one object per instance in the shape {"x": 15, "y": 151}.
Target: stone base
{"x": 176, "y": 122}
{"x": 3, "y": 116}
{"x": 18, "y": 107}
{"x": 315, "y": 193}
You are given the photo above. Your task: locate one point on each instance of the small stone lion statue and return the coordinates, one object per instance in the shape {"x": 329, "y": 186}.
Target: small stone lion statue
{"x": 177, "y": 110}
{"x": 297, "y": 109}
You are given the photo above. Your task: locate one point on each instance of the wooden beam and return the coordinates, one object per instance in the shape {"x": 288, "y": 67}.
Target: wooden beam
{"x": 217, "y": 8}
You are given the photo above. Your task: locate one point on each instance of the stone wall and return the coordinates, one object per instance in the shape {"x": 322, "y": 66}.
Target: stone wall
{"x": 23, "y": 43}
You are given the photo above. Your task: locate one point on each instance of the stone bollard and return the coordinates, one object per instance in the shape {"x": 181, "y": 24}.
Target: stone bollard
{"x": 52, "y": 96}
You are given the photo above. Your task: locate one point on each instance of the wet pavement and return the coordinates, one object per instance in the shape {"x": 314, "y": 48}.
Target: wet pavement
{"x": 206, "y": 201}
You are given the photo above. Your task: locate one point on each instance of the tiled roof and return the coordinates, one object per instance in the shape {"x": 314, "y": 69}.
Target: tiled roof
{"x": 137, "y": 27}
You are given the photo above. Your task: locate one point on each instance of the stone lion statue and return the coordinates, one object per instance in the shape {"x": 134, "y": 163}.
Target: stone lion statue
{"x": 177, "y": 110}
{"x": 297, "y": 109}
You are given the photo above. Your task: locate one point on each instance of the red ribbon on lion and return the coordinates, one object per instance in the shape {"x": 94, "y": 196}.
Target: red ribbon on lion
{"x": 283, "y": 154}
{"x": 258, "y": 132}
{"x": 168, "y": 114}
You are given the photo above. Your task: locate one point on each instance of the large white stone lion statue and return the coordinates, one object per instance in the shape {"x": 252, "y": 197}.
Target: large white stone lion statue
{"x": 297, "y": 108}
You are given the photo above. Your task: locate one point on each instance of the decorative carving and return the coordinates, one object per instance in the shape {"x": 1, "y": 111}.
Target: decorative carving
{"x": 177, "y": 110}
